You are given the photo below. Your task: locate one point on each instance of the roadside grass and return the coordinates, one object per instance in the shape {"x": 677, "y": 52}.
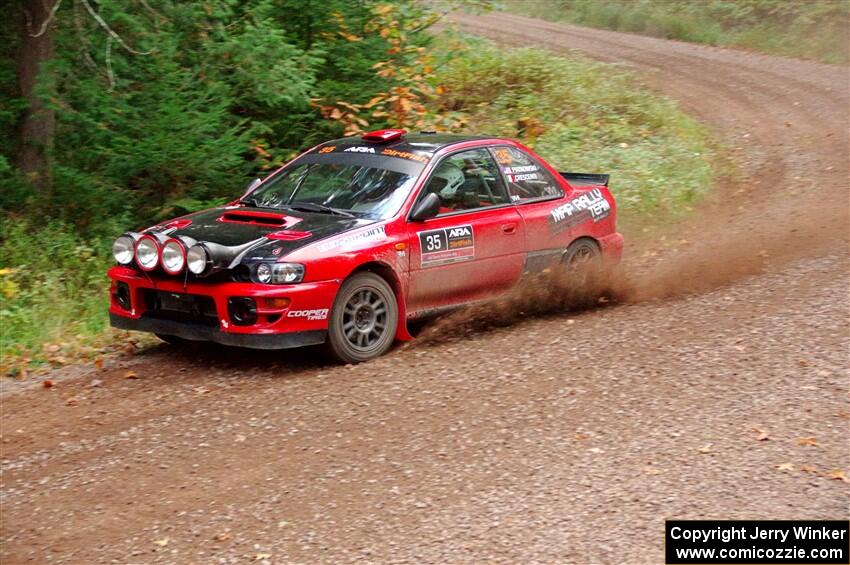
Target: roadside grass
{"x": 577, "y": 114}
{"x": 53, "y": 297}
{"x": 813, "y": 29}
{"x": 585, "y": 116}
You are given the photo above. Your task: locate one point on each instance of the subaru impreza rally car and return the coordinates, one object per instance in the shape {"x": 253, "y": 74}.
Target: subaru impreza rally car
{"x": 354, "y": 238}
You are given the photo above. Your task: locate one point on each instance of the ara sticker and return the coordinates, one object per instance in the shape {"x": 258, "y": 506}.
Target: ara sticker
{"x": 591, "y": 205}
{"x": 359, "y": 149}
{"x": 448, "y": 245}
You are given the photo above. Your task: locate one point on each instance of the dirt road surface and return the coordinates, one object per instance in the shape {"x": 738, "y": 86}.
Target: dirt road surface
{"x": 564, "y": 439}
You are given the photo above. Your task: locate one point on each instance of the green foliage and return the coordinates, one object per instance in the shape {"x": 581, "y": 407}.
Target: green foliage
{"x": 811, "y": 29}
{"x": 53, "y": 288}
{"x": 581, "y": 116}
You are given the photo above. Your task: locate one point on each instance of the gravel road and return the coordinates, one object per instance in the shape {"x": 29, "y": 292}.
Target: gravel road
{"x": 718, "y": 390}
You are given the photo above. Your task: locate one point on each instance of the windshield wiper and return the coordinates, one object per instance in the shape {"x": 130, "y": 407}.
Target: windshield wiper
{"x": 321, "y": 208}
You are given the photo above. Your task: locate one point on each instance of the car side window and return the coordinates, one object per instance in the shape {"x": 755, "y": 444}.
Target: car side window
{"x": 467, "y": 180}
{"x": 527, "y": 179}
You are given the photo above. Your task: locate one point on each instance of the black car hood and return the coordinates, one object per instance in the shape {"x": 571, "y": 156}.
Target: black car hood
{"x": 256, "y": 234}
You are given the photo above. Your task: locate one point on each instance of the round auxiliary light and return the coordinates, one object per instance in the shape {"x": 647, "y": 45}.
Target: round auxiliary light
{"x": 264, "y": 273}
{"x": 147, "y": 252}
{"x": 173, "y": 256}
{"x": 123, "y": 250}
{"x": 197, "y": 259}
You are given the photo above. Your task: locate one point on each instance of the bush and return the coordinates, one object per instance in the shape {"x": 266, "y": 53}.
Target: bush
{"x": 53, "y": 289}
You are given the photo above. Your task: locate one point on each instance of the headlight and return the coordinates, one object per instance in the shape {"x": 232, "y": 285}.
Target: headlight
{"x": 197, "y": 259}
{"x": 264, "y": 273}
{"x": 280, "y": 273}
{"x": 122, "y": 249}
{"x": 173, "y": 256}
{"x": 147, "y": 252}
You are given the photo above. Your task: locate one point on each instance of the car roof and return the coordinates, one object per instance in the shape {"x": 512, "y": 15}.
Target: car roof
{"x": 423, "y": 141}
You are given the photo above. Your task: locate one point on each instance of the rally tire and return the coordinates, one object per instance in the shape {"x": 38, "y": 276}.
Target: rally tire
{"x": 582, "y": 253}
{"x": 363, "y": 319}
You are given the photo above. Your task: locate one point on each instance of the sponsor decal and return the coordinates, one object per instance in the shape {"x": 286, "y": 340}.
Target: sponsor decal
{"x": 448, "y": 245}
{"x": 370, "y": 234}
{"x": 405, "y": 155}
{"x": 504, "y": 157}
{"x": 519, "y": 178}
{"x": 387, "y": 152}
{"x": 591, "y": 205}
{"x": 517, "y": 170}
{"x": 317, "y": 314}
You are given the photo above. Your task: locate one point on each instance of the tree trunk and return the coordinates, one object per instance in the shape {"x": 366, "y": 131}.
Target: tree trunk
{"x": 38, "y": 122}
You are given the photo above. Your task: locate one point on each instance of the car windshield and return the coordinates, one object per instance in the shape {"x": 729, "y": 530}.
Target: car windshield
{"x": 333, "y": 187}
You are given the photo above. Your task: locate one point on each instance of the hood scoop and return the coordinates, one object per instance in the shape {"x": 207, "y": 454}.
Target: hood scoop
{"x": 269, "y": 219}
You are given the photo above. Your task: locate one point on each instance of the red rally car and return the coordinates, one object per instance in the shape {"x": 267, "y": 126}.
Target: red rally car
{"x": 353, "y": 238}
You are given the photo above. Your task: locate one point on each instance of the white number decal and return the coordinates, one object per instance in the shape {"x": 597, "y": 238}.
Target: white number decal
{"x": 433, "y": 242}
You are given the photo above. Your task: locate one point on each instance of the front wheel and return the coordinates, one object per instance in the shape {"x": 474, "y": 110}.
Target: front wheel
{"x": 363, "y": 319}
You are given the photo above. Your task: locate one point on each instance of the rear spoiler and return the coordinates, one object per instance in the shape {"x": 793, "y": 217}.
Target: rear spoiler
{"x": 586, "y": 179}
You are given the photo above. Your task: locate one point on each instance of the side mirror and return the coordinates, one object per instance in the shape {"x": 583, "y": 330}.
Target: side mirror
{"x": 428, "y": 207}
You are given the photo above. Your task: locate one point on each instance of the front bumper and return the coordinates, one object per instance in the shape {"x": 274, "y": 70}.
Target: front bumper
{"x": 283, "y": 315}
{"x": 199, "y": 332}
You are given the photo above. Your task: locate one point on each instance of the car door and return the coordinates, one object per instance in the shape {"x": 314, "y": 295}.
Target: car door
{"x": 535, "y": 192}
{"x": 474, "y": 247}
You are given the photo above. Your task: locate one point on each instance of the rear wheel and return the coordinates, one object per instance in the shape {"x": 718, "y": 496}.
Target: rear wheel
{"x": 582, "y": 254}
{"x": 363, "y": 319}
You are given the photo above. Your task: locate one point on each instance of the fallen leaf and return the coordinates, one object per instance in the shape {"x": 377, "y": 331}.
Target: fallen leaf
{"x": 98, "y": 363}
{"x": 837, "y": 475}
{"x": 785, "y": 467}
{"x": 762, "y": 435}
{"x": 808, "y": 469}
{"x": 47, "y": 384}
{"x": 223, "y": 536}
{"x": 705, "y": 448}
{"x": 131, "y": 375}
{"x": 807, "y": 441}
{"x": 71, "y": 402}
{"x": 581, "y": 437}
{"x": 261, "y": 556}
{"x": 161, "y": 542}
{"x": 96, "y": 383}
